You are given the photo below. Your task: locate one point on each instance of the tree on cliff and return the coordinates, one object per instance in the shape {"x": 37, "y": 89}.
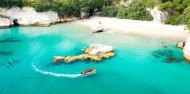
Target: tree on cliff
{"x": 11, "y": 3}
{"x": 89, "y": 6}
{"x": 136, "y": 11}
{"x": 188, "y": 24}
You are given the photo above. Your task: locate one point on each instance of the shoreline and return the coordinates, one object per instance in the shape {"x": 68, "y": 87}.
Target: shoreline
{"x": 136, "y": 27}
{"x": 129, "y": 27}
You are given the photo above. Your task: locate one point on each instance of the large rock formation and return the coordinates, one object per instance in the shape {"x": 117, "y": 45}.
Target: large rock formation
{"x": 98, "y": 48}
{"x": 27, "y": 16}
{"x": 180, "y": 45}
{"x": 96, "y": 52}
{"x": 4, "y": 22}
{"x": 186, "y": 50}
{"x": 97, "y": 28}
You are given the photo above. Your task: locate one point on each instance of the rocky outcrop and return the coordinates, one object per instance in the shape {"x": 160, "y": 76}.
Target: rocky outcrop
{"x": 124, "y": 2}
{"x": 186, "y": 50}
{"x": 68, "y": 19}
{"x": 98, "y": 48}
{"x": 159, "y": 16}
{"x": 4, "y": 22}
{"x": 180, "y": 45}
{"x": 27, "y": 16}
{"x": 84, "y": 15}
{"x": 96, "y": 52}
{"x": 97, "y": 28}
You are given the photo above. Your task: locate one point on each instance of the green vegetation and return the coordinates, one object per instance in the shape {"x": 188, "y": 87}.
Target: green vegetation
{"x": 136, "y": 11}
{"x": 149, "y": 3}
{"x": 185, "y": 16}
{"x": 109, "y": 11}
{"x": 173, "y": 20}
{"x": 63, "y": 7}
{"x": 4, "y": 16}
{"x": 188, "y": 24}
{"x": 11, "y": 3}
{"x": 179, "y": 10}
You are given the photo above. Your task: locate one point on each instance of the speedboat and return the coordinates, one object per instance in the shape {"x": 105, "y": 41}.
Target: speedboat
{"x": 88, "y": 71}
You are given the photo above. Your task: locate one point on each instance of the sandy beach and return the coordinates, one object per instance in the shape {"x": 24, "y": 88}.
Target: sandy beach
{"x": 135, "y": 27}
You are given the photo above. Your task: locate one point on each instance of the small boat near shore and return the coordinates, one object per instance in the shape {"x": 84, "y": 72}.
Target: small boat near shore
{"x": 88, "y": 71}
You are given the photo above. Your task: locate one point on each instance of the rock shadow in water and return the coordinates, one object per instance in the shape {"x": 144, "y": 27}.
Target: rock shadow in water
{"x": 11, "y": 39}
{"x": 10, "y": 63}
{"x": 6, "y": 53}
{"x": 78, "y": 51}
{"x": 87, "y": 61}
{"x": 51, "y": 64}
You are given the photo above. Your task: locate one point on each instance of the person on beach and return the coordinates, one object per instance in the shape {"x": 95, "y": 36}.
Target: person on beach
{"x": 100, "y": 22}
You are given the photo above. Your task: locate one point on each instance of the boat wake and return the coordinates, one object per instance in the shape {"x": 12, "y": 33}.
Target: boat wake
{"x": 52, "y": 73}
{"x": 56, "y": 74}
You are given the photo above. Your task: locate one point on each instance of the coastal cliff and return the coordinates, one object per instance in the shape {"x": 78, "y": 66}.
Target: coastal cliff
{"x": 186, "y": 50}
{"x": 4, "y": 22}
{"x": 158, "y": 16}
{"x": 27, "y": 16}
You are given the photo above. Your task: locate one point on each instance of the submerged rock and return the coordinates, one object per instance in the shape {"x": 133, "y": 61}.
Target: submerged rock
{"x": 176, "y": 60}
{"x": 6, "y": 53}
{"x": 170, "y": 60}
{"x": 156, "y": 56}
{"x": 166, "y": 53}
{"x": 11, "y": 39}
{"x": 163, "y": 52}
{"x": 96, "y": 52}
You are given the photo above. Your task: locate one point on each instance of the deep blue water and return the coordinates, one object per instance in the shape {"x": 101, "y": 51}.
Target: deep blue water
{"x": 138, "y": 68}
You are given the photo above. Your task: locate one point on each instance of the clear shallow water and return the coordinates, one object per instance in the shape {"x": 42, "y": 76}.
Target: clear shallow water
{"x": 26, "y": 68}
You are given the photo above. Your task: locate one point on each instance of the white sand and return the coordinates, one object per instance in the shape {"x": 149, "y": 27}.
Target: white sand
{"x": 134, "y": 27}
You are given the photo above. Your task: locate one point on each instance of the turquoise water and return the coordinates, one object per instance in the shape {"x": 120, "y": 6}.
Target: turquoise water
{"x": 26, "y": 68}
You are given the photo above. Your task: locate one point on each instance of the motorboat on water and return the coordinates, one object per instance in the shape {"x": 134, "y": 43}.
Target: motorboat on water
{"x": 88, "y": 71}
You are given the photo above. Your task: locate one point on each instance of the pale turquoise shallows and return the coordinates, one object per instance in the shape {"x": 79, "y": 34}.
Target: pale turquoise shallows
{"x": 137, "y": 68}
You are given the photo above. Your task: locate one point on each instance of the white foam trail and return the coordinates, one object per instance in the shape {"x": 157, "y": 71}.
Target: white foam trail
{"x": 52, "y": 73}
{"x": 55, "y": 74}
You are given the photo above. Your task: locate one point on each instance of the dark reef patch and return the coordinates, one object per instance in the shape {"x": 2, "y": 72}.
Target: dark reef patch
{"x": 170, "y": 60}
{"x": 167, "y": 56}
{"x": 6, "y": 53}
{"x": 50, "y": 65}
{"x": 11, "y": 39}
{"x": 9, "y": 63}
